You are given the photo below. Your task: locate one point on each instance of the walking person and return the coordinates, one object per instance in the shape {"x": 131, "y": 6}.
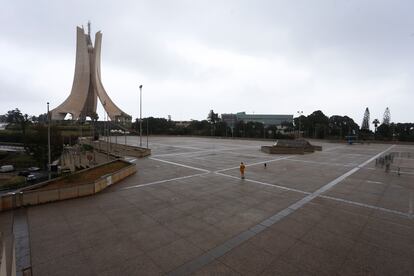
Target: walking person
{"x": 242, "y": 167}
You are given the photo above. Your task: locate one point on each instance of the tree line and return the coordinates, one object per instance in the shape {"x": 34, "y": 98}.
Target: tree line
{"x": 315, "y": 125}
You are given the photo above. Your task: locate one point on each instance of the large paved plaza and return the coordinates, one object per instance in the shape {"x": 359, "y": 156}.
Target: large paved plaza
{"x": 187, "y": 211}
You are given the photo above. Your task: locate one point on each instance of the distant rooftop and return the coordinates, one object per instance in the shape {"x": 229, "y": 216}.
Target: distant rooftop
{"x": 267, "y": 119}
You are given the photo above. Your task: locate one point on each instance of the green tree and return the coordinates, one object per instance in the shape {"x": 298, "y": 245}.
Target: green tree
{"x": 213, "y": 118}
{"x": 385, "y": 131}
{"x": 317, "y": 124}
{"x": 341, "y": 126}
{"x": 15, "y": 117}
{"x": 376, "y": 122}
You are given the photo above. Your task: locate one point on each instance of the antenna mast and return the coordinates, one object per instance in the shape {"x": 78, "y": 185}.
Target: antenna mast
{"x": 89, "y": 27}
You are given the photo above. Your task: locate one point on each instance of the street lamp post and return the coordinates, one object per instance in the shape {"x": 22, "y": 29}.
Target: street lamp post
{"x": 264, "y": 131}
{"x": 147, "y": 131}
{"x": 48, "y": 139}
{"x": 106, "y": 131}
{"x": 140, "y": 115}
{"x": 300, "y": 114}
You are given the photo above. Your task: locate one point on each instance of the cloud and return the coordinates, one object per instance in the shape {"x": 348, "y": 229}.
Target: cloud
{"x": 193, "y": 56}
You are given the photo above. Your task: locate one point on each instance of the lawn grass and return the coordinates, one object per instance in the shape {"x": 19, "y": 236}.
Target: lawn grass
{"x": 87, "y": 176}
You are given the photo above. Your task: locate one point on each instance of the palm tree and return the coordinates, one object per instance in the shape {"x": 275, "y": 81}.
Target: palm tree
{"x": 376, "y": 123}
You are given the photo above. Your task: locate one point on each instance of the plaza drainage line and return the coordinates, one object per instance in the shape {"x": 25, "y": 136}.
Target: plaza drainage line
{"x": 163, "y": 181}
{"x": 21, "y": 241}
{"x": 211, "y": 255}
{"x": 320, "y": 163}
{"x": 257, "y": 163}
{"x": 201, "y": 151}
{"x": 265, "y": 184}
{"x": 407, "y": 215}
{"x": 178, "y": 164}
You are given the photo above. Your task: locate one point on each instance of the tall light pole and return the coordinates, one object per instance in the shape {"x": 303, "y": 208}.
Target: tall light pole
{"x": 299, "y": 114}
{"x": 105, "y": 130}
{"x": 48, "y": 139}
{"x": 140, "y": 115}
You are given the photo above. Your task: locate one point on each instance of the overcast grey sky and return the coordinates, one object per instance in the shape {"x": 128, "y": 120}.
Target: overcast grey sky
{"x": 191, "y": 56}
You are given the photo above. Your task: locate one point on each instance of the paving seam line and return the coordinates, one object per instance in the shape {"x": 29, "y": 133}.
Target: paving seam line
{"x": 264, "y": 183}
{"x": 180, "y": 147}
{"x": 395, "y": 212}
{"x": 319, "y": 163}
{"x": 178, "y": 164}
{"x": 21, "y": 240}
{"x": 256, "y": 163}
{"x": 222, "y": 249}
{"x": 163, "y": 181}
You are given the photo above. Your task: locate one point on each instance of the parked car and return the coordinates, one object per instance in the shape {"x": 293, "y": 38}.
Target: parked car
{"x": 31, "y": 177}
{"x": 23, "y": 173}
{"x": 7, "y": 168}
{"x": 33, "y": 169}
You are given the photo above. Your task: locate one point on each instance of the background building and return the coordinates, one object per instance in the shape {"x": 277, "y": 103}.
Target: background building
{"x": 266, "y": 119}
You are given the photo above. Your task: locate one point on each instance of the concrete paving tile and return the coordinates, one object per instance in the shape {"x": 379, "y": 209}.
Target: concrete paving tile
{"x": 74, "y": 264}
{"x": 249, "y": 200}
{"x": 334, "y": 244}
{"x": 364, "y": 198}
{"x": 254, "y": 215}
{"x": 192, "y": 206}
{"x": 171, "y": 256}
{"x": 71, "y": 214}
{"x": 398, "y": 244}
{"x": 353, "y": 209}
{"x": 275, "y": 205}
{"x": 130, "y": 223}
{"x": 283, "y": 268}
{"x": 397, "y": 203}
{"x": 313, "y": 259}
{"x": 112, "y": 253}
{"x": 215, "y": 268}
{"x": 396, "y": 228}
{"x": 90, "y": 223}
{"x": 211, "y": 215}
{"x": 308, "y": 216}
{"x": 232, "y": 207}
{"x": 122, "y": 214}
{"x": 136, "y": 195}
{"x": 392, "y": 218}
{"x": 186, "y": 225}
{"x": 247, "y": 259}
{"x": 340, "y": 228}
{"x": 166, "y": 214}
{"x": 46, "y": 250}
{"x": 274, "y": 242}
{"x": 89, "y": 239}
{"x": 138, "y": 265}
{"x": 207, "y": 238}
{"x": 366, "y": 259}
{"x": 39, "y": 220}
{"x": 44, "y": 212}
{"x": 263, "y": 195}
{"x": 151, "y": 206}
{"x": 236, "y": 224}
{"x": 355, "y": 218}
{"x": 153, "y": 238}
{"x": 291, "y": 227}
{"x": 49, "y": 231}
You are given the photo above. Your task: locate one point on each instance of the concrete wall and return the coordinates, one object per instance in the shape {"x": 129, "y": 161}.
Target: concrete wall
{"x": 7, "y": 255}
{"x": 40, "y": 196}
{"x": 282, "y": 150}
{"x": 118, "y": 149}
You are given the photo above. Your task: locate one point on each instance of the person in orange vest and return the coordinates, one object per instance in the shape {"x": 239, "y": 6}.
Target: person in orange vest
{"x": 242, "y": 167}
